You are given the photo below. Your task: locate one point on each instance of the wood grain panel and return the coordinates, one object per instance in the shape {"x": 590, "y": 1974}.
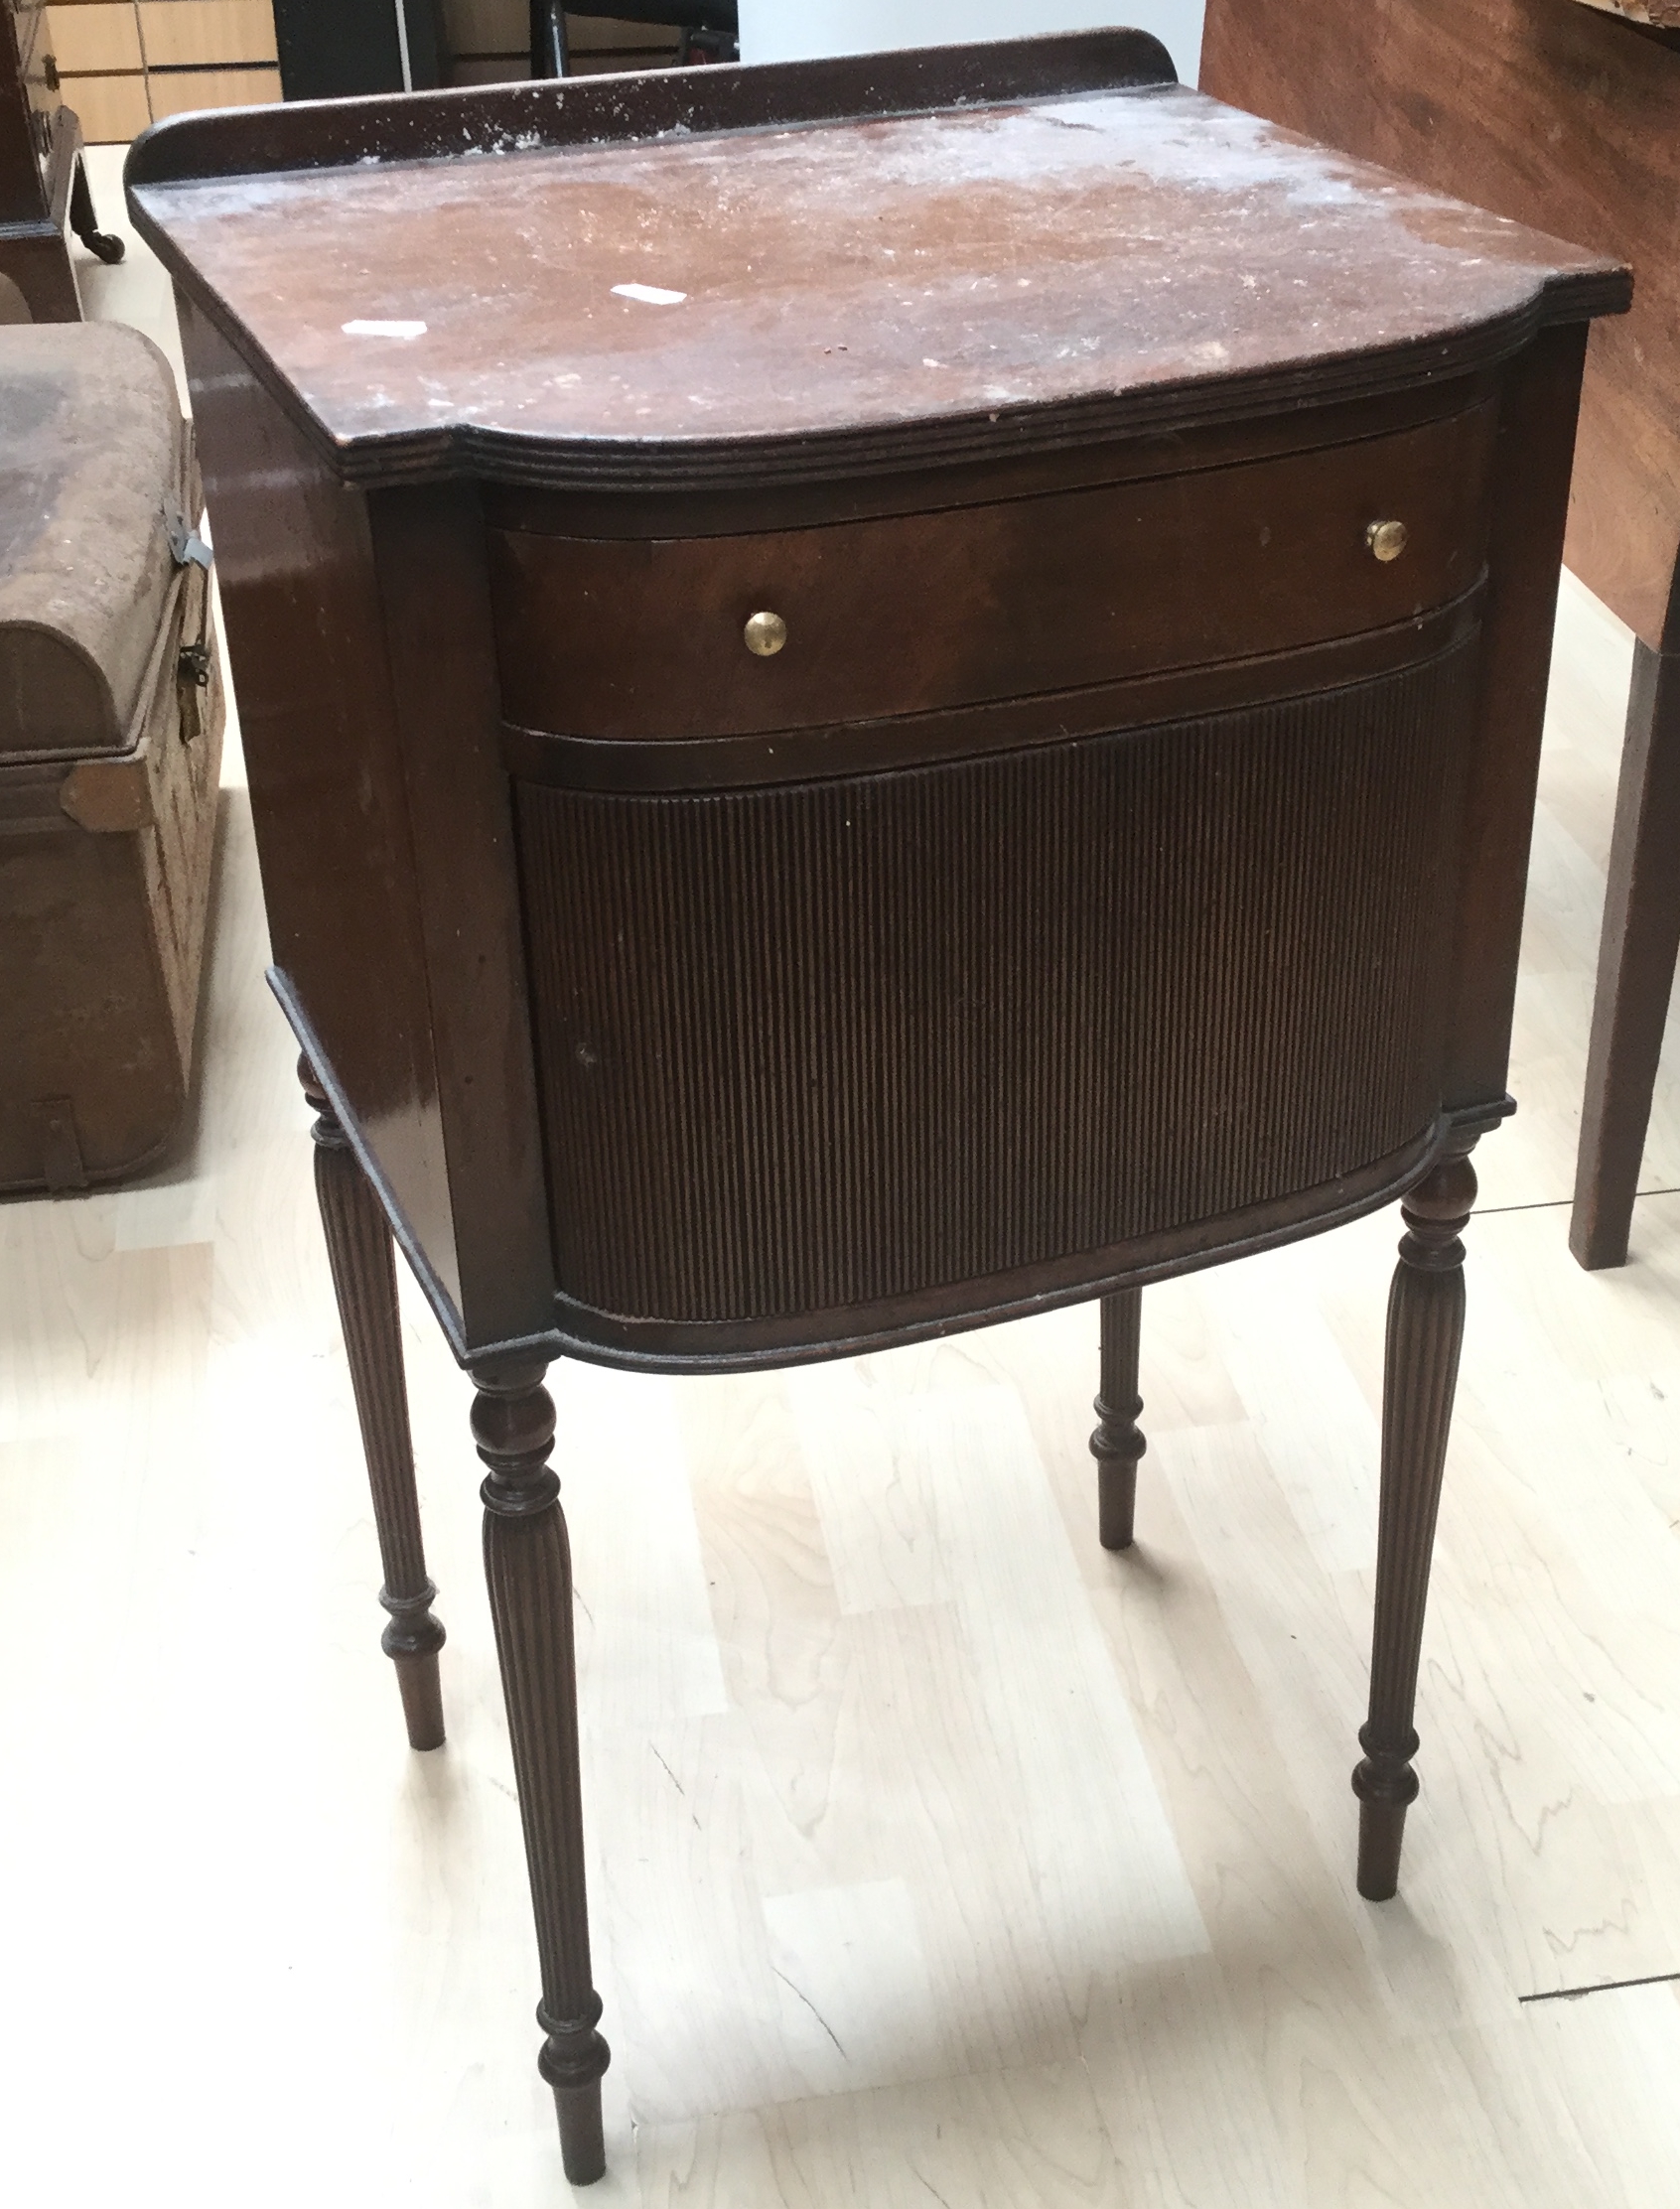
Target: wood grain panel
{"x": 193, "y": 33}
{"x": 111, "y": 110}
{"x": 473, "y": 27}
{"x": 1550, "y": 113}
{"x": 593, "y": 34}
{"x": 96, "y": 39}
{"x": 298, "y": 593}
{"x": 182, "y": 94}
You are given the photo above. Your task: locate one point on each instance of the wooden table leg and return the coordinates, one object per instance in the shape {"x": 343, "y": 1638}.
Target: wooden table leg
{"x": 1117, "y": 1443}
{"x": 1636, "y": 954}
{"x": 85, "y": 224}
{"x": 1426, "y": 1326}
{"x": 528, "y": 1565}
{"x": 358, "y": 1248}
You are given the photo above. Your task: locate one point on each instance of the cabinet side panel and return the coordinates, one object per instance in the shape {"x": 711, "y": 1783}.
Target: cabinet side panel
{"x": 1531, "y": 472}
{"x": 313, "y": 690}
{"x": 429, "y": 544}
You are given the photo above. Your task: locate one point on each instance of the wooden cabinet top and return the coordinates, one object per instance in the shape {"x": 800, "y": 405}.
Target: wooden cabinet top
{"x": 735, "y": 275}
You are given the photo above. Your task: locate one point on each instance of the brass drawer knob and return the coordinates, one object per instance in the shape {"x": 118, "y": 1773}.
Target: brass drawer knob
{"x": 1387, "y": 539}
{"x": 766, "y": 634}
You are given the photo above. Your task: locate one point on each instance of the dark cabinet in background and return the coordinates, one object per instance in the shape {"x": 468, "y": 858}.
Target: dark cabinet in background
{"x": 43, "y": 189}
{"x": 337, "y": 49}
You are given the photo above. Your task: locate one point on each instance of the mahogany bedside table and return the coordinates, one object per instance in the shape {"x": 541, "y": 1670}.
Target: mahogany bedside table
{"x": 879, "y": 695}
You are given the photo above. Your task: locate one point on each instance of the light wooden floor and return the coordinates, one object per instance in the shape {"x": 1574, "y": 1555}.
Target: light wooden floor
{"x": 938, "y": 1858}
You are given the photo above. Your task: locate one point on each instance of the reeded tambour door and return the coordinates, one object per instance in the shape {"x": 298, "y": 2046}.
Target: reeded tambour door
{"x": 935, "y": 1030}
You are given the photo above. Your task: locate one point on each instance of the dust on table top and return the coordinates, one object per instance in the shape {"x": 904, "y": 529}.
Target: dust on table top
{"x": 841, "y": 277}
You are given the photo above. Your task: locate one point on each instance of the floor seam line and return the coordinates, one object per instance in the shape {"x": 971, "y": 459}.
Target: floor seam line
{"x": 1602, "y": 1987}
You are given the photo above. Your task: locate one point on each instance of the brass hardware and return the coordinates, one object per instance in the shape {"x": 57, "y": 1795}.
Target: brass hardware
{"x": 1387, "y": 539}
{"x": 766, "y": 634}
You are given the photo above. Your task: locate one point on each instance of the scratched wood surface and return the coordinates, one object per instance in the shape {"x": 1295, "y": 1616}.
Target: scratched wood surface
{"x": 1543, "y": 109}
{"x": 940, "y": 1856}
{"x": 997, "y": 264}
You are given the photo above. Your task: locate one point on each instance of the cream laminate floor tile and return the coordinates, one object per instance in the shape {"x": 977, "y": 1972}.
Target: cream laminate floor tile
{"x": 936, "y": 1854}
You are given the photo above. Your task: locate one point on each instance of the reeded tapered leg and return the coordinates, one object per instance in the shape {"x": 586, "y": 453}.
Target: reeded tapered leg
{"x": 1117, "y": 1443}
{"x": 528, "y": 1565}
{"x": 1426, "y": 1326}
{"x": 359, "y": 1247}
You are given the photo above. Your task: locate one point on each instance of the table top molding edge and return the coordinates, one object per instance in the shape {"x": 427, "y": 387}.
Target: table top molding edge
{"x": 467, "y": 450}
